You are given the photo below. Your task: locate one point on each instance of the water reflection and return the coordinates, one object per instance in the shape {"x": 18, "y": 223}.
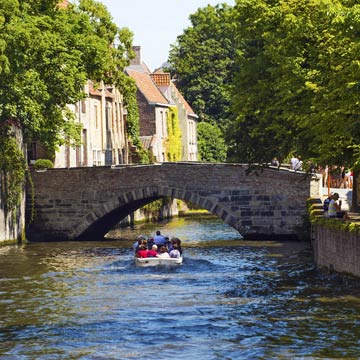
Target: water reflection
{"x": 230, "y": 299}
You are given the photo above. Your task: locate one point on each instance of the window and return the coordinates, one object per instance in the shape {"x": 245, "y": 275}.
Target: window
{"x": 97, "y": 156}
{"x": 83, "y": 106}
{"x": 96, "y": 115}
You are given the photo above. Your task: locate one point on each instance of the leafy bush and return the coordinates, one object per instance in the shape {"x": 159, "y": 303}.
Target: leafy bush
{"x": 43, "y": 164}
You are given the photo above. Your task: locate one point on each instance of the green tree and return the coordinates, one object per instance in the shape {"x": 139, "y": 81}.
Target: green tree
{"x": 269, "y": 94}
{"x": 46, "y": 55}
{"x": 211, "y": 144}
{"x": 201, "y": 60}
{"x": 296, "y": 81}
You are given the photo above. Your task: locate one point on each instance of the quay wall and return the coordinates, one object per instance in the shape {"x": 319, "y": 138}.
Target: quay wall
{"x": 12, "y": 223}
{"x": 336, "y": 249}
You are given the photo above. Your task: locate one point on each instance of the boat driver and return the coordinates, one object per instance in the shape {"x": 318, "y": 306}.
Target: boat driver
{"x": 159, "y": 239}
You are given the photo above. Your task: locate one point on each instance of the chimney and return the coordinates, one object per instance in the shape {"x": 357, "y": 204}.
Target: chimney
{"x": 137, "y": 58}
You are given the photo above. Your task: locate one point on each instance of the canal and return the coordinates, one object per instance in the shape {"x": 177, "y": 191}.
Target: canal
{"x": 231, "y": 299}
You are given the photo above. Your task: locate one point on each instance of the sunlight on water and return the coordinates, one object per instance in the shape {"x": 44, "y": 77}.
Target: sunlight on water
{"x": 231, "y": 299}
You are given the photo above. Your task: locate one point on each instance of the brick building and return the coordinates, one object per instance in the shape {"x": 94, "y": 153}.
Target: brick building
{"x": 155, "y": 94}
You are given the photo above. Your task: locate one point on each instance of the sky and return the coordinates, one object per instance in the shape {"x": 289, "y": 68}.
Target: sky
{"x": 155, "y": 23}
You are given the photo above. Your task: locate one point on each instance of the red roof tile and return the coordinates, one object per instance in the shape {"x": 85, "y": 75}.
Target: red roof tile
{"x": 147, "y": 87}
{"x": 161, "y": 79}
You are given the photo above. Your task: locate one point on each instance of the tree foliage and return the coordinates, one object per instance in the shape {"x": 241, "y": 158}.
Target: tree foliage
{"x": 297, "y": 81}
{"x": 201, "y": 61}
{"x": 211, "y": 144}
{"x": 46, "y": 55}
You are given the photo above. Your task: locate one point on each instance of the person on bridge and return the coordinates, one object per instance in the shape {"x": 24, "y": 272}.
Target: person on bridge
{"x": 159, "y": 239}
{"x": 294, "y": 162}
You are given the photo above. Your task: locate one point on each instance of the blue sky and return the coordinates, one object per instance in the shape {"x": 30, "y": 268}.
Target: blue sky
{"x": 155, "y": 23}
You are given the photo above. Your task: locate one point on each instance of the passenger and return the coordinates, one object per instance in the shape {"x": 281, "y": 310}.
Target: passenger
{"x": 138, "y": 242}
{"x": 172, "y": 243}
{"x": 142, "y": 252}
{"x": 153, "y": 252}
{"x": 175, "y": 241}
{"x": 174, "y": 253}
{"x": 159, "y": 239}
{"x": 136, "y": 245}
{"x": 178, "y": 243}
{"x": 163, "y": 252}
{"x": 150, "y": 243}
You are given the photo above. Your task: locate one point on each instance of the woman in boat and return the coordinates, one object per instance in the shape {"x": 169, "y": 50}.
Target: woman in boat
{"x": 175, "y": 241}
{"x": 163, "y": 252}
{"x": 174, "y": 253}
{"x": 142, "y": 251}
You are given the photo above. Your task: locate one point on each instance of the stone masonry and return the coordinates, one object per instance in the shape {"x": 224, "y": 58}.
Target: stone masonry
{"x": 84, "y": 203}
{"x": 336, "y": 250}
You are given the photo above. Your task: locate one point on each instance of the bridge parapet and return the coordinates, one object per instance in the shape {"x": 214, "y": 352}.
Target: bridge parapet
{"x": 86, "y": 202}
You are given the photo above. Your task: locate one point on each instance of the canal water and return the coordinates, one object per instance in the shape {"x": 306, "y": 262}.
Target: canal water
{"x": 231, "y": 299}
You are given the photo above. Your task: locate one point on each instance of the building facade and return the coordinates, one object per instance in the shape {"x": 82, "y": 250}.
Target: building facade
{"x": 187, "y": 117}
{"x": 156, "y": 93}
{"x": 103, "y": 135}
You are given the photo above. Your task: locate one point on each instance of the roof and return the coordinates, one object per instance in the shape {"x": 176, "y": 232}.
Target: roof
{"x": 188, "y": 108}
{"x": 98, "y": 91}
{"x": 92, "y": 90}
{"x": 147, "y": 87}
{"x": 161, "y": 79}
{"x": 139, "y": 68}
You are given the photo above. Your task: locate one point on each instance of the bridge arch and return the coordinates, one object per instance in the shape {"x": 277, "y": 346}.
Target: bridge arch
{"x": 82, "y": 202}
{"x": 97, "y": 223}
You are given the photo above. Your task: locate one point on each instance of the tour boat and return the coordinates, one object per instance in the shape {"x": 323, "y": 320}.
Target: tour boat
{"x": 154, "y": 261}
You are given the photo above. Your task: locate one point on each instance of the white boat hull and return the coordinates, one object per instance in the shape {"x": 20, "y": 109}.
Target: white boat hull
{"x": 154, "y": 261}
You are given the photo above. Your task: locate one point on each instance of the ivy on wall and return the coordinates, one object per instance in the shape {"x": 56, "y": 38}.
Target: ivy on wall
{"x": 12, "y": 169}
{"x": 172, "y": 145}
{"x": 316, "y": 218}
{"x": 128, "y": 87}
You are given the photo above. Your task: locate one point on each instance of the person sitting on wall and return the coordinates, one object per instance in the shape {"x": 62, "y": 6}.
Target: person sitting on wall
{"x": 326, "y": 205}
{"x": 335, "y": 208}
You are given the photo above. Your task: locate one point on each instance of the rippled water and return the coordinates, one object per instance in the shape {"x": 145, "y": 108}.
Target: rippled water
{"x": 231, "y": 299}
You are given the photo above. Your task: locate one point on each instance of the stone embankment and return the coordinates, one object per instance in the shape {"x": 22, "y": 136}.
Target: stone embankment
{"x": 336, "y": 242}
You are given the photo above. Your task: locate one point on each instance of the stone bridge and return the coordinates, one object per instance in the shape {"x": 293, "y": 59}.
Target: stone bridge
{"x": 84, "y": 203}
